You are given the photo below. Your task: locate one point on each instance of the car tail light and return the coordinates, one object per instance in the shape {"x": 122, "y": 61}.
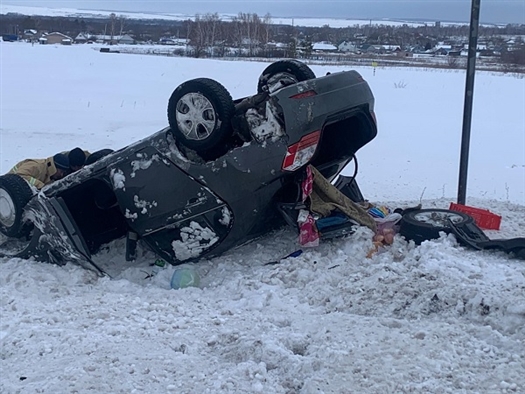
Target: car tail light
{"x": 300, "y": 153}
{"x": 309, "y": 93}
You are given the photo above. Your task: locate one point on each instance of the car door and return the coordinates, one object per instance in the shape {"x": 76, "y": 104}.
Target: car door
{"x": 174, "y": 213}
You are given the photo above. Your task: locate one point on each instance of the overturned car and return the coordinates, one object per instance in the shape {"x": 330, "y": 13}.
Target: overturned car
{"x": 217, "y": 177}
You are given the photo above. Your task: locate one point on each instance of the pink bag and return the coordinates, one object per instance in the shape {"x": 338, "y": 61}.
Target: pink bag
{"x": 308, "y": 234}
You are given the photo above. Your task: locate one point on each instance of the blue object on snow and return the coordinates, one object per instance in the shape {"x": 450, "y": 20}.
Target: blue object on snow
{"x": 332, "y": 220}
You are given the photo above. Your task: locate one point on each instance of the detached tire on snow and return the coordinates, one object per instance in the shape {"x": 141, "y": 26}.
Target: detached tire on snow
{"x": 15, "y": 193}
{"x": 289, "y": 71}
{"x": 200, "y": 113}
{"x": 424, "y": 224}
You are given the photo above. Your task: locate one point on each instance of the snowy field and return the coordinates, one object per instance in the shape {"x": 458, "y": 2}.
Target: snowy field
{"x": 431, "y": 319}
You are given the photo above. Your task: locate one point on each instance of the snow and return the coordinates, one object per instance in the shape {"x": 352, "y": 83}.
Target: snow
{"x": 437, "y": 318}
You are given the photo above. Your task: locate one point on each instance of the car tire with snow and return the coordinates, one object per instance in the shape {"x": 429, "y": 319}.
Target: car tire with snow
{"x": 200, "y": 113}
{"x": 283, "y": 73}
{"x": 424, "y": 224}
{"x": 15, "y": 193}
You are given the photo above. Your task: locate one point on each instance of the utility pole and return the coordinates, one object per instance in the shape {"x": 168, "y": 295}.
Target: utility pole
{"x": 469, "y": 96}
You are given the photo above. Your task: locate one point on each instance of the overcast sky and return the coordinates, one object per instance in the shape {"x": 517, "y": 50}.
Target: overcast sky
{"x": 492, "y": 11}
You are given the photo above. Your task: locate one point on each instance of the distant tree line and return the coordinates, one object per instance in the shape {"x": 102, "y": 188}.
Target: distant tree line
{"x": 252, "y": 35}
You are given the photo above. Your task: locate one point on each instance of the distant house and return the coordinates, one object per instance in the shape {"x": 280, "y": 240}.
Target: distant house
{"x": 174, "y": 41}
{"x": 126, "y": 39}
{"x": 56, "y": 38}
{"x": 441, "y": 51}
{"x": 390, "y": 48}
{"x": 367, "y": 48}
{"x": 346, "y": 46}
{"x": 446, "y": 47}
{"x": 82, "y": 38}
{"x": 417, "y": 49}
{"x": 108, "y": 39}
{"x": 30, "y": 34}
{"x": 324, "y": 47}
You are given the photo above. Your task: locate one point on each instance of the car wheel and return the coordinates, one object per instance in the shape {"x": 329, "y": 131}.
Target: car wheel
{"x": 200, "y": 113}
{"x": 424, "y": 224}
{"x": 283, "y": 73}
{"x": 15, "y": 193}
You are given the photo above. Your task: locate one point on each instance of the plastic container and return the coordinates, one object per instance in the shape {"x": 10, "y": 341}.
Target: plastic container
{"x": 158, "y": 266}
{"x": 483, "y": 217}
{"x": 184, "y": 276}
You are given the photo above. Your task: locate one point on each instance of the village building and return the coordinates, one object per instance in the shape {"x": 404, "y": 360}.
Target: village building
{"x": 55, "y": 38}
{"x": 324, "y": 47}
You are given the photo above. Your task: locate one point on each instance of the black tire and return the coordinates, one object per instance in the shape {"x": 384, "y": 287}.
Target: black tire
{"x": 425, "y": 224}
{"x": 99, "y": 154}
{"x": 290, "y": 69}
{"x": 15, "y": 193}
{"x": 212, "y": 108}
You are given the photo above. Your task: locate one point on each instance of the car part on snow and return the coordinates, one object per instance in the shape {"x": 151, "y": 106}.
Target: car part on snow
{"x": 424, "y": 224}
{"x": 200, "y": 113}
{"x": 348, "y": 184}
{"x": 349, "y": 187}
{"x": 471, "y": 235}
{"x": 283, "y": 73}
{"x": 131, "y": 245}
{"x": 14, "y": 195}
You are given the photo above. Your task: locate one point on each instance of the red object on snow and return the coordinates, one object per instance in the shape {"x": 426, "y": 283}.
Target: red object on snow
{"x": 483, "y": 217}
{"x": 308, "y": 234}
{"x": 308, "y": 184}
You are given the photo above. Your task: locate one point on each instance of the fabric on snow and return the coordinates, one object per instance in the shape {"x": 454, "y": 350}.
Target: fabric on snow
{"x": 325, "y": 197}
{"x": 307, "y": 184}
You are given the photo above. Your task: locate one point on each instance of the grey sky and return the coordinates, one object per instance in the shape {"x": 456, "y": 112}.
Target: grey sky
{"x": 492, "y": 11}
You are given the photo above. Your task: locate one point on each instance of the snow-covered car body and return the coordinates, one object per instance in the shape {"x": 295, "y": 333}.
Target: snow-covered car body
{"x": 185, "y": 207}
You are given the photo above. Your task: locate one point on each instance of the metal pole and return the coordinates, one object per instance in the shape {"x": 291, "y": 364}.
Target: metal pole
{"x": 469, "y": 95}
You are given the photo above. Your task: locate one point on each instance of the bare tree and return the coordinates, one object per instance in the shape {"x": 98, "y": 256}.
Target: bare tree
{"x": 266, "y": 29}
{"x": 122, "y": 20}
{"x": 112, "y": 23}
{"x": 212, "y": 24}
{"x": 248, "y": 31}
{"x": 452, "y": 61}
{"x": 197, "y": 36}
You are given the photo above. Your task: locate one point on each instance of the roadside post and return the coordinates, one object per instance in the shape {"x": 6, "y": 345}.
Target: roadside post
{"x": 469, "y": 95}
